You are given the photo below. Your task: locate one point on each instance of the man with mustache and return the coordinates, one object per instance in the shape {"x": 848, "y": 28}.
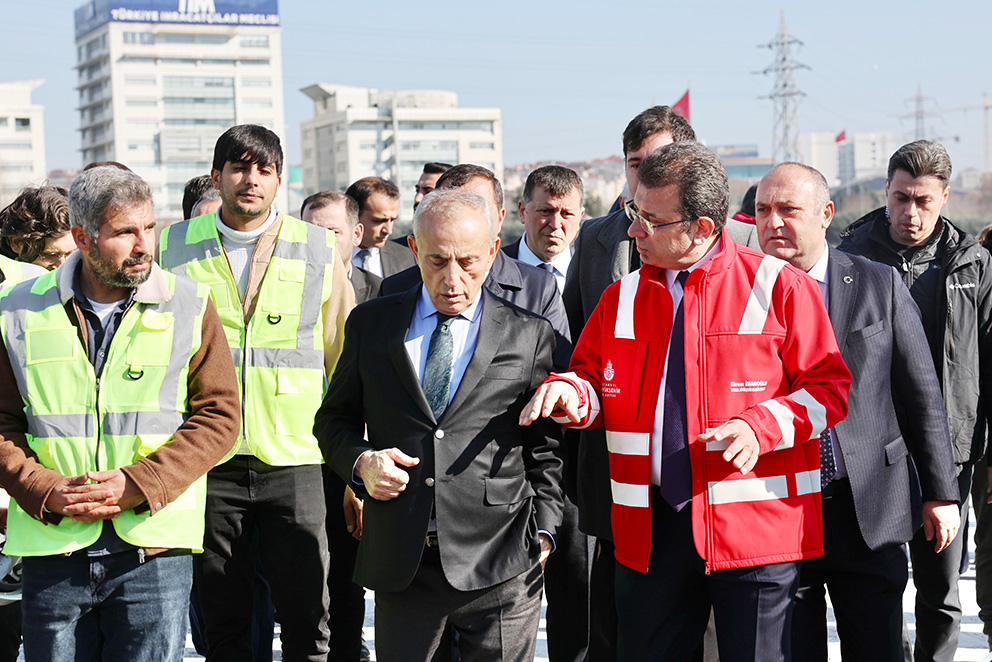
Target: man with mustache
{"x": 118, "y": 395}
{"x": 283, "y": 296}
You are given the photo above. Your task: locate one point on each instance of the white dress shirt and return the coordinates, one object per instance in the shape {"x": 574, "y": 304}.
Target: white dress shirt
{"x": 375, "y": 260}
{"x": 675, "y": 289}
{"x": 559, "y": 265}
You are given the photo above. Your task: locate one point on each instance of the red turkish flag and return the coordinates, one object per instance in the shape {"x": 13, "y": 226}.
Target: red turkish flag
{"x": 841, "y": 137}
{"x": 681, "y": 107}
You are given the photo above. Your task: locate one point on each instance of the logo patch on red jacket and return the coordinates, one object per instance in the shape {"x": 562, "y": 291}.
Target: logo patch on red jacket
{"x": 749, "y": 386}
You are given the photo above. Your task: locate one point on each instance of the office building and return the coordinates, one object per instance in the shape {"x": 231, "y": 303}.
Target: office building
{"x": 358, "y": 132}
{"x": 864, "y": 156}
{"x": 844, "y": 159}
{"x": 22, "y": 139}
{"x": 160, "y": 80}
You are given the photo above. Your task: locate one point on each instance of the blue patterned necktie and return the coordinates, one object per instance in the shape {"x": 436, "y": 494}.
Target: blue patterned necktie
{"x": 828, "y": 468}
{"x": 437, "y": 371}
{"x": 676, "y": 472}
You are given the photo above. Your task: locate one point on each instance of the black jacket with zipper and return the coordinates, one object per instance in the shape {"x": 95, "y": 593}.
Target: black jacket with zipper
{"x": 964, "y": 364}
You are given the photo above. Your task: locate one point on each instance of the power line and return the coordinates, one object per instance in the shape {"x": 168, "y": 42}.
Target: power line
{"x": 785, "y": 95}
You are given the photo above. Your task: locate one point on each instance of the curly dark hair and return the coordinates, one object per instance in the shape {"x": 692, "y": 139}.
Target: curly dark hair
{"x": 35, "y": 215}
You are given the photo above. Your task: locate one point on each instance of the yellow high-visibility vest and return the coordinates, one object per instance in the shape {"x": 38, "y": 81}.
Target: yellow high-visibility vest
{"x": 279, "y": 353}
{"x": 78, "y": 423}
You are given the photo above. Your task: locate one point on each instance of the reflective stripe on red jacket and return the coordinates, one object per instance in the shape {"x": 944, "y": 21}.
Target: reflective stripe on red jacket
{"x": 759, "y": 346}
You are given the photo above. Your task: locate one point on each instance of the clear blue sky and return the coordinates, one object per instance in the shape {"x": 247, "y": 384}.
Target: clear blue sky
{"x": 570, "y": 75}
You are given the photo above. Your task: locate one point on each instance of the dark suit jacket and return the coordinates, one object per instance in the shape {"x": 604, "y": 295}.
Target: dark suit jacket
{"x": 522, "y": 285}
{"x": 395, "y": 258}
{"x": 513, "y": 250}
{"x": 365, "y": 283}
{"x": 895, "y": 413}
{"x": 494, "y": 483}
{"x": 601, "y": 255}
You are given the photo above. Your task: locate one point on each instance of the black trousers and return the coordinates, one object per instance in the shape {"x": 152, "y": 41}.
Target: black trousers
{"x": 938, "y": 605}
{"x": 10, "y": 631}
{"x": 866, "y": 589}
{"x": 983, "y": 546}
{"x": 603, "y": 604}
{"x": 284, "y": 508}
{"x": 566, "y": 585}
{"x": 495, "y": 623}
{"x": 663, "y": 613}
{"x": 347, "y": 599}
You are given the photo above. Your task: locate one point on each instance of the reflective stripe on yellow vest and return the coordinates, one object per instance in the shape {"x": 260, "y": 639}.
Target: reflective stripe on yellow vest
{"x": 77, "y": 423}
{"x": 279, "y": 354}
{"x": 13, "y": 271}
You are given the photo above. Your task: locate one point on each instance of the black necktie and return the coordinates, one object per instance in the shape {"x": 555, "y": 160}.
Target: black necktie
{"x": 676, "y": 472}
{"x": 437, "y": 371}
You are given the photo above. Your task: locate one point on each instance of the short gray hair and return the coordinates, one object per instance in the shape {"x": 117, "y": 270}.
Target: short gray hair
{"x": 99, "y": 190}
{"x": 446, "y": 202}
{"x": 208, "y": 195}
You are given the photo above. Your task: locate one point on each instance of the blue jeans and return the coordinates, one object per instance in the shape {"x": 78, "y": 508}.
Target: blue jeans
{"x": 118, "y": 607}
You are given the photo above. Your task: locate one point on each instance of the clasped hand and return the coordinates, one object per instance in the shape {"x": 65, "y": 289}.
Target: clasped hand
{"x": 94, "y": 496}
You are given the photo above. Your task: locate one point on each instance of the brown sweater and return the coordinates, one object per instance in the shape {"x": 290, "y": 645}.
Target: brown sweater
{"x": 207, "y": 435}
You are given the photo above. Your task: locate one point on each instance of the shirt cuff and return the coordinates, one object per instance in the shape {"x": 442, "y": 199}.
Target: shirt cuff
{"x": 355, "y": 480}
{"x": 553, "y": 545}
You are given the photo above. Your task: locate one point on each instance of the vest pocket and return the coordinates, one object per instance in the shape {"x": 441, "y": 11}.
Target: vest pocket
{"x": 221, "y": 294}
{"x": 153, "y": 345}
{"x": 68, "y": 456}
{"x": 283, "y": 295}
{"x": 298, "y": 393}
{"x": 46, "y": 345}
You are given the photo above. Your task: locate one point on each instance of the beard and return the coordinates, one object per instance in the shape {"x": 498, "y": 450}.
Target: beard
{"x": 112, "y": 275}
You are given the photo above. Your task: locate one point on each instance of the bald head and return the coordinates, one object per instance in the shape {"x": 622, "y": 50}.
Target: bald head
{"x": 793, "y": 211}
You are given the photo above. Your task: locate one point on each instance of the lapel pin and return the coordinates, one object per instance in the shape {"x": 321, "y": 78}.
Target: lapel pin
{"x": 848, "y": 280}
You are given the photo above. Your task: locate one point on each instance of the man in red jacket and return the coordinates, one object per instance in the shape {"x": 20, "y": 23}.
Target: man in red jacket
{"x": 714, "y": 370}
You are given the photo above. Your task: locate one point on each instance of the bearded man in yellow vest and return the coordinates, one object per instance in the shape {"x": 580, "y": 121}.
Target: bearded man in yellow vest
{"x": 117, "y": 394}
{"x": 283, "y": 296}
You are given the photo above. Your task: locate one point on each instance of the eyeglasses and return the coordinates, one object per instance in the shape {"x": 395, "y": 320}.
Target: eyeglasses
{"x": 54, "y": 257}
{"x": 635, "y": 216}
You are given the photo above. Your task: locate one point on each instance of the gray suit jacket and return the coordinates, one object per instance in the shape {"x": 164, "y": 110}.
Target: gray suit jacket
{"x": 493, "y": 483}
{"x": 896, "y": 428}
{"x": 365, "y": 283}
{"x": 395, "y": 258}
{"x": 601, "y": 255}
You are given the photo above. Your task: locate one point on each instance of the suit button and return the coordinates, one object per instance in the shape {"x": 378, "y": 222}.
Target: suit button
{"x": 429, "y": 482}
{"x": 439, "y": 434}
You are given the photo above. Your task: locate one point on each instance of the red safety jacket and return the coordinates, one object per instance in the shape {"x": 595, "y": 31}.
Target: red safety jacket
{"x": 759, "y": 346}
